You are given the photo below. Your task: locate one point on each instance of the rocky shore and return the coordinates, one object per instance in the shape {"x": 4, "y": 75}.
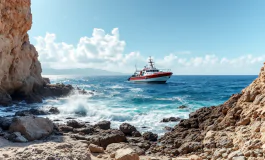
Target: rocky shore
{"x": 233, "y": 130}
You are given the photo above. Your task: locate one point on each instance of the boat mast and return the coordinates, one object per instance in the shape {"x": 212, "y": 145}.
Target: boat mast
{"x": 151, "y": 62}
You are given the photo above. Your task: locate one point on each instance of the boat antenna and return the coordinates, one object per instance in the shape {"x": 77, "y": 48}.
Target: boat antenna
{"x": 151, "y": 62}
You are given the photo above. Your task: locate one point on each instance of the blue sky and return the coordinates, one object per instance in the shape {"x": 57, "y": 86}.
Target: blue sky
{"x": 181, "y": 30}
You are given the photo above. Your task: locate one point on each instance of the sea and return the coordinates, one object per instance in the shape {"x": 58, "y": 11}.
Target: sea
{"x": 143, "y": 105}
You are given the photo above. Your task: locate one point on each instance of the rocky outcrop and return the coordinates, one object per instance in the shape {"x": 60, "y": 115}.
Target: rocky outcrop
{"x": 31, "y": 127}
{"x": 20, "y": 69}
{"x": 127, "y": 129}
{"x": 236, "y": 126}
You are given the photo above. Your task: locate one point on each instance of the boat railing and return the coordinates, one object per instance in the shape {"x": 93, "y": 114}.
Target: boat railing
{"x": 165, "y": 70}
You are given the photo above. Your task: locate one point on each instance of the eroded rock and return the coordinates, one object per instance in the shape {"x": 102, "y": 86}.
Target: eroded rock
{"x": 31, "y": 127}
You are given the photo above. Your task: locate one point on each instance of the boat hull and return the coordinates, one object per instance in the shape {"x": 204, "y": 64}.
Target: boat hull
{"x": 156, "y": 78}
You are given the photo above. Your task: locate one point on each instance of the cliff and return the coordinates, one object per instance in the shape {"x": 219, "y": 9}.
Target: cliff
{"x": 20, "y": 69}
{"x": 232, "y": 130}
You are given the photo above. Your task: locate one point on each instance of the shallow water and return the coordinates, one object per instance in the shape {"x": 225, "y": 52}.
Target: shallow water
{"x": 142, "y": 105}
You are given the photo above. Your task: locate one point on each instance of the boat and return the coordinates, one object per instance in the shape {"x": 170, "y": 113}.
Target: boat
{"x": 150, "y": 74}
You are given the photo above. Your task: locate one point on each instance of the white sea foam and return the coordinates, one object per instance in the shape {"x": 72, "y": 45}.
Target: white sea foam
{"x": 84, "y": 108}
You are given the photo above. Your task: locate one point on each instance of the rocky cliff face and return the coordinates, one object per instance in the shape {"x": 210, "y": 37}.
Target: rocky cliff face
{"x": 232, "y": 130}
{"x": 20, "y": 69}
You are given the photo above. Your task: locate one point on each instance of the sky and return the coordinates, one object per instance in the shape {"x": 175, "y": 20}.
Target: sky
{"x": 203, "y": 37}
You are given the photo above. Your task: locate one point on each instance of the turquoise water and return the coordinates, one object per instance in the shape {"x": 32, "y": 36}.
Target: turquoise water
{"x": 142, "y": 105}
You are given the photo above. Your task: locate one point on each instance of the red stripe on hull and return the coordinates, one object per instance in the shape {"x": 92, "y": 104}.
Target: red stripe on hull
{"x": 156, "y": 75}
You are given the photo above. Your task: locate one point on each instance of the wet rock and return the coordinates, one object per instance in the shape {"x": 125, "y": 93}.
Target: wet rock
{"x": 69, "y": 118}
{"x": 95, "y": 148}
{"x": 127, "y": 129}
{"x": 55, "y": 90}
{"x": 5, "y": 98}
{"x": 5, "y": 122}
{"x": 150, "y": 136}
{"x": 65, "y": 128}
{"x": 33, "y": 98}
{"x": 1, "y": 132}
{"x": 105, "y": 125}
{"x": 171, "y": 119}
{"x": 31, "y": 127}
{"x": 136, "y": 134}
{"x": 126, "y": 154}
{"x": 54, "y": 110}
{"x": 16, "y": 137}
{"x": 168, "y": 128}
{"x": 74, "y": 124}
{"x": 182, "y": 107}
{"x": 46, "y": 80}
{"x": 31, "y": 112}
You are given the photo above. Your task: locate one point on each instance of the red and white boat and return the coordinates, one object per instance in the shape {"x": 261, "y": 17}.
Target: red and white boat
{"x": 150, "y": 74}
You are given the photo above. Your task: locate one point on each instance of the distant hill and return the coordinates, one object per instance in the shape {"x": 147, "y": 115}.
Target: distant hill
{"x": 79, "y": 71}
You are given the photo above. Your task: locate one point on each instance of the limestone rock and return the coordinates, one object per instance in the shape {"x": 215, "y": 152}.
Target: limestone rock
{"x": 106, "y": 137}
{"x": 31, "y": 127}
{"x": 126, "y": 154}
{"x": 95, "y": 148}
{"x": 20, "y": 69}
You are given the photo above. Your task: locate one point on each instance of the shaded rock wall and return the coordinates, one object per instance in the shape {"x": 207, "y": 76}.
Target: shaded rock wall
{"x": 20, "y": 69}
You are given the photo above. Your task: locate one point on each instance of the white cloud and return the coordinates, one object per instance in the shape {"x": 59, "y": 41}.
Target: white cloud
{"x": 106, "y": 51}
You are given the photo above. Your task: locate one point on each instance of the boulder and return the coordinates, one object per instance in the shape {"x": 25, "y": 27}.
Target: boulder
{"x": 56, "y": 90}
{"x": 171, "y": 119}
{"x": 5, "y": 122}
{"x": 54, "y": 110}
{"x": 105, "y": 125}
{"x": 32, "y": 128}
{"x": 16, "y": 137}
{"x": 182, "y": 107}
{"x": 150, "y": 136}
{"x": 74, "y": 124}
{"x": 126, "y": 154}
{"x": 95, "y": 148}
{"x": 127, "y": 129}
{"x": 106, "y": 137}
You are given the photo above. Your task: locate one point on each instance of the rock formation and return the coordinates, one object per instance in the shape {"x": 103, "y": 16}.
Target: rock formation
{"x": 20, "y": 69}
{"x": 233, "y": 129}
